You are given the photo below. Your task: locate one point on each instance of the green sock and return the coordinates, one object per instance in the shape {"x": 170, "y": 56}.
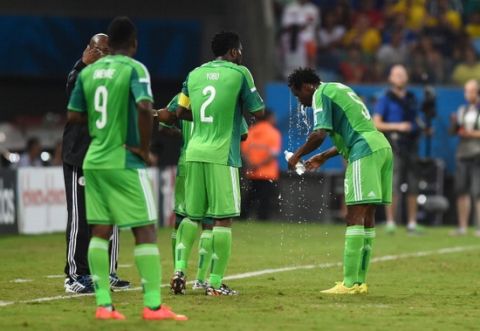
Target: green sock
{"x": 205, "y": 254}
{"x": 366, "y": 254}
{"x": 186, "y": 233}
{"x": 222, "y": 247}
{"x": 147, "y": 259}
{"x": 99, "y": 264}
{"x": 174, "y": 244}
{"x": 354, "y": 238}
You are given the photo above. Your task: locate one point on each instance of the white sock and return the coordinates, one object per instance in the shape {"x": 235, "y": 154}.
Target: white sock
{"x": 412, "y": 225}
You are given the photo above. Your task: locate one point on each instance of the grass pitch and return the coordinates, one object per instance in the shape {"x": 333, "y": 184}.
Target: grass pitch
{"x": 428, "y": 282}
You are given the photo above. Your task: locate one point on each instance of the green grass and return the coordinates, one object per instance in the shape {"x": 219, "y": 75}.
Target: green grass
{"x": 434, "y": 292}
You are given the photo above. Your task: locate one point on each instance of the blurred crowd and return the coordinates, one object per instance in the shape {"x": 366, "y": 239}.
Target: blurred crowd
{"x": 357, "y": 41}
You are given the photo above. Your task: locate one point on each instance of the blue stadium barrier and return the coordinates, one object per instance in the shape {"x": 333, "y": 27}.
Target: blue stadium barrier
{"x": 295, "y": 127}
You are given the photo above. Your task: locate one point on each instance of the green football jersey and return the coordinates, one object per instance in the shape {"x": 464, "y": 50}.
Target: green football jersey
{"x": 338, "y": 110}
{"x": 187, "y": 126}
{"x": 217, "y": 93}
{"x": 109, "y": 90}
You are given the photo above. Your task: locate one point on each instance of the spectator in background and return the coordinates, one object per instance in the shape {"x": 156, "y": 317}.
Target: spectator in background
{"x": 396, "y": 114}
{"x": 468, "y": 69}
{"x": 473, "y": 26}
{"x": 260, "y": 152}
{"x": 414, "y": 11}
{"x": 375, "y": 15}
{"x": 343, "y": 13}
{"x": 31, "y": 156}
{"x": 299, "y": 23}
{"x": 394, "y": 52}
{"x": 466, "y": 124}
{"x": 329, "y": 41}
{"x": 445, "y": 12}
{"x": 354, "y": 68}
{"x": 427, "y": 62}
{"x": 363, "y": 35}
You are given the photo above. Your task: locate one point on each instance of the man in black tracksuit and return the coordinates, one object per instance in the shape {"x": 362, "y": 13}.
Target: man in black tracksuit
{"x": 76, "y": 140}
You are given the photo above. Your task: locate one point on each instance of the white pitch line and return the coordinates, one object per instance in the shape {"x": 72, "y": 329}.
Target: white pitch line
{"x": 55, "y": 276}
{"x": 441, "y": 251}
{"x": 21, "y": 280}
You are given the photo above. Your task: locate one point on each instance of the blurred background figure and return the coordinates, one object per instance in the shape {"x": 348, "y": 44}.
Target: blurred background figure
{"x": 57, "y": 155}
{"x": 31, "y": 156}
{"x": 396, "y": 114}
{"x": 298, "y": 35}
{"x": 260, "y": 152}
{"x": 466, "y": 124}
{"x": 468, "y": 68}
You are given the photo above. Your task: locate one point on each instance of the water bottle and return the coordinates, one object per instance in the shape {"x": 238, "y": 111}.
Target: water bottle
{"x": 299, "y": 167}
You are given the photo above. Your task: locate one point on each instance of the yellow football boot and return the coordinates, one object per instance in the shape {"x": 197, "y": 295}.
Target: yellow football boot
{"x": 339, "y": 288}
{"x": 363, "y": 288}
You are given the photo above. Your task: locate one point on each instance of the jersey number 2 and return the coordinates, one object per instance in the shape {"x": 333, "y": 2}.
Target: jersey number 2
{"x": 211, "y": 91}
{"x": 100, "y": 103}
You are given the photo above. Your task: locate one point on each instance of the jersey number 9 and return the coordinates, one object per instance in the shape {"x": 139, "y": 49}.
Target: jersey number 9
{"x": 100, "y": 103}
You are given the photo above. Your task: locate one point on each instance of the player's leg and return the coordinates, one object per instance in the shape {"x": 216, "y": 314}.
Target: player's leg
{"x": 205, "y": 251}
{"x": 186, "y": 234}
{"x": 367, "y": 248}
{"x": 385, "y": 159}
{"x": 133, "y": 206}
{"x": 101, "y": 220}
{"x": 196, "y": 206}
{"x": 77, "y": 234}
{"x": 223, "y": 188}
{"x": 362, "y": 189}
{"x": 179, "y": 207}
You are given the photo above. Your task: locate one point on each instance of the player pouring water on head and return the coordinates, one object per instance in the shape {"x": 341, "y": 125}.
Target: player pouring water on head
{"x": 341, "y": 114}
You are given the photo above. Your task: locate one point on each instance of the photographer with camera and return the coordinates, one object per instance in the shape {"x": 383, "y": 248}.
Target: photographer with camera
{"x": 466, "y": 124}
{"x": 396, "y": 115}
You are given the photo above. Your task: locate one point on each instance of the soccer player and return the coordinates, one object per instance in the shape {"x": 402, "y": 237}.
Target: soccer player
{"x": 213, "y": 96}
{"x": 188, "y": 228}
{"x": 116, "y": 96}
{"x": 75, "y": 144}
{"x": 340, "y": 113}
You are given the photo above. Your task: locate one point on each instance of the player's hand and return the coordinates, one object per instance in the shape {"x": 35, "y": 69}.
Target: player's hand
{"x": 315, "y": 162}
{"x": 292, "y": 162}
{"x": 144, "y": 155}
{"x": 462, "y": 133}
{"x": 90, "y": 55}
{"x": 405, "y": 127}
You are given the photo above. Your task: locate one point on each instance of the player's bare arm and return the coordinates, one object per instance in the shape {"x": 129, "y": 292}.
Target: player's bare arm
{"x": 389, "y": 127}
{"x": 314, "y": 141}
{"x": 184, "y": 113}
{"x": 318, "y": 160}
{"x": 164, "y": 116}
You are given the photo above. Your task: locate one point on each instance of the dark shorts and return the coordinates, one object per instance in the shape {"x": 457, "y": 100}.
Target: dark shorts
{"x": 404, "y": 172}
{"x": 467, "y": 177}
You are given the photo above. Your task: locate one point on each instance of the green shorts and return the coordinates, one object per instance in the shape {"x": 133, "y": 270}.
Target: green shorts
{"x": 369, "y": 180}
{"x": 180, "y": 191}
{"x": 121, "y": 197}
{"x": 212, "y": 190}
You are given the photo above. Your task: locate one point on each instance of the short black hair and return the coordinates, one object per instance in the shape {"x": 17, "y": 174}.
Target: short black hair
{"x": 121, "y": 33}
{"x": 303, "y": 76}
{"x": 224, "y": 41}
